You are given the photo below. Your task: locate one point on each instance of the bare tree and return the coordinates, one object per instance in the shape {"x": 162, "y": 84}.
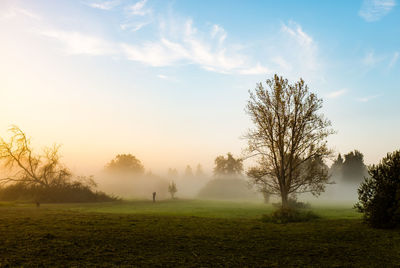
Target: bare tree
{"x": 30, "y": 169}
{"x": 289, "y": 139}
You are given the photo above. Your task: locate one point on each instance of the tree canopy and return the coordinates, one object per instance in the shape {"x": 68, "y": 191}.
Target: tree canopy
{"x": 354, "y": 169}
{"x": 228, "y": 166}
{"x": 126, "y": 163}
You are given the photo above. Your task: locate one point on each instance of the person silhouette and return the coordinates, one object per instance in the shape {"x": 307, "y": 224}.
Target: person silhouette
{"x": 154, "y": 197}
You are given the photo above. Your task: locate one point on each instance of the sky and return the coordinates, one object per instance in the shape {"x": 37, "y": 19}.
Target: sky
{"x": 168, "y": 81}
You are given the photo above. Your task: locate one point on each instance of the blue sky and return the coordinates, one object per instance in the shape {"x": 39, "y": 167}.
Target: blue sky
{"x": 168, "y": 80}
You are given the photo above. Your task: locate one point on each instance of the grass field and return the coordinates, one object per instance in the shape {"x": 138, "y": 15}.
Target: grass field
{"x": 187, "y": 233}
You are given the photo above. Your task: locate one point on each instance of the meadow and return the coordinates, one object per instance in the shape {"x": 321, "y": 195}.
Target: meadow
{"x": 188, "y": 233}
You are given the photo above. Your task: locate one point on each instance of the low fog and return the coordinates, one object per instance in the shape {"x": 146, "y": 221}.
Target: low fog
{"x": 134, "y": 181}
{"x": 126, "y": 177}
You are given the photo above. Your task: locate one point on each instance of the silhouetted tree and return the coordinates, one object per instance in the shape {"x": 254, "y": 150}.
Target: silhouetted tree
{"x": 188, "y": 171}
{"x": 336, "y": 170}
{"x": 172, "y": 173}
{"x": 379, "y": 194}
{"x": 228, "y": 166}
{"x": 289, "y": 139}
{"x": 172, "y": 189}
{"x": 199, "y": 171}
{"x": 31, "y": 169}
{"x": 126, "y": 163}
{"x": 354, "y": 168}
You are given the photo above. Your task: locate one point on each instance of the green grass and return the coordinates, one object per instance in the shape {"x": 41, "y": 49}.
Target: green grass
{"x": 187, "y": 233}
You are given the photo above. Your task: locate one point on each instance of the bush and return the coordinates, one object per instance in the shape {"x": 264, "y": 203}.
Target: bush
{"x": 379, "y": 195}
{"x": 70, "y": 192}
{"x": 294, "y": 204}
{"x": 286, "y": 215}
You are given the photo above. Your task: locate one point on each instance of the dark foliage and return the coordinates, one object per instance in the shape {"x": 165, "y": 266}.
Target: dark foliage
{"x": 379, "y": 194}
{"x": 353, "y": 168}
{"x": 336, "y": 170}
{"x": 293, "y": 203}
{"x": 66, "y": 193}
{"x": 286, "y": 215}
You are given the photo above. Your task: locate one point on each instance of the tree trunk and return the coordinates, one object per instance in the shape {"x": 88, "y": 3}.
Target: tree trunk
{"x": 285, "y": 203}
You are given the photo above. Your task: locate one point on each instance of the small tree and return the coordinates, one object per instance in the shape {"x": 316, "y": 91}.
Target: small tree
{"x": 289, "y": 139}
{"x": 379, "y": 194}
{"x": 172, "y": 189}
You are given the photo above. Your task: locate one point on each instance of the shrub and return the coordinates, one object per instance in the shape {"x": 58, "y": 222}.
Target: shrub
{"x": 294, "y": 204}
{"x": 286, "y": 215}
{"x": 69, "y": 192}
{"x": 379, "y": 194}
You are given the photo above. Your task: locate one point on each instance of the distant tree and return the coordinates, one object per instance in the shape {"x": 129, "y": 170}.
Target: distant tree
{"x": 336, "y": 169}
{"x": 199, "y": 171}
{"x": 379, "y": 194}
{"x": 172, "y": 173}
{"x": 188, "y": 171}
{"x": 289, "y": 139}
{"x": 172, "y": 189}
{"x": 228, "y": 166}
{"x": 354, "y": 169}
{"x": 126, "y": 163}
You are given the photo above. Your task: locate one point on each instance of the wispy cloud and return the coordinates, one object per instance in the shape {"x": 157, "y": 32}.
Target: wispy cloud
{"x": 133, "y": 27}
{"x": 374, "y": 10}
{"x": 394, "y": 59}
{"x": 17, "y": 11}
{"x": 258, "y": 69}
{"x": 297, "y": 54}
{"x": 336, "y": 94}
{"x": 80, "y": 43}
{"x": 104, "y": 5}
{"x": 162, "y": 76}
{"x": 218, "y": 32}
{"x": 139, "y": 8}
{"x": 371, "y": 59}
{"x": 190, "y": 48}
{"x": 297, "y": 32}
{"x": 368, "y": 98}
{"x": 167, "y": 78}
